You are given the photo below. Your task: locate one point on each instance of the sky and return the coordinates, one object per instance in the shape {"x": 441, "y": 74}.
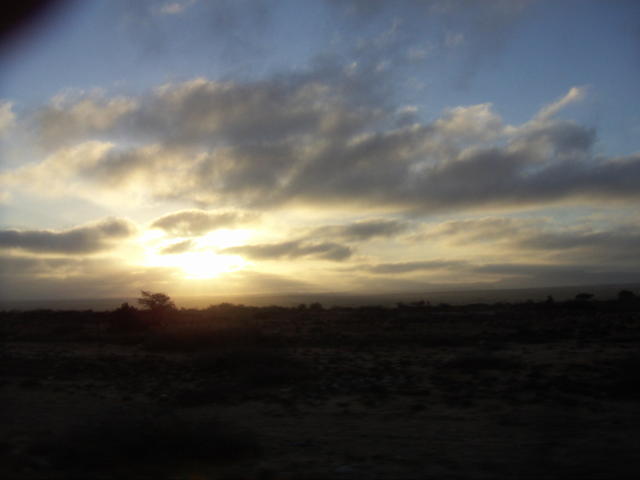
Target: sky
{"x": 213, "y": 147}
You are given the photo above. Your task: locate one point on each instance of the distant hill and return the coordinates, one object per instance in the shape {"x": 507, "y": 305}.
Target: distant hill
{"x": 453, "y": 297}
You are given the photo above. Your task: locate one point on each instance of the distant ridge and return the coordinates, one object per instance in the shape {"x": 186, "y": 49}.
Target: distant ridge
{"x": 454, "y": 297}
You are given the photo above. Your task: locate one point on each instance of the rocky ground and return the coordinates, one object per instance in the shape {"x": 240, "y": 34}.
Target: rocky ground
{"x": 406, "y": 393}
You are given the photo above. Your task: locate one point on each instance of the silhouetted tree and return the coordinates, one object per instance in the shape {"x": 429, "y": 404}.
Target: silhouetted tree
{"x": 159, "y": 305}
{"x": 156, "y": 302}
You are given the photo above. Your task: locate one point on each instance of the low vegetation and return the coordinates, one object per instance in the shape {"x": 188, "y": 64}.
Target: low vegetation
{"x": 143, "y": 388}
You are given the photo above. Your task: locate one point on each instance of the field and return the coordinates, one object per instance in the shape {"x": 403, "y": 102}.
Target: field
{"x": 529, "y": 390}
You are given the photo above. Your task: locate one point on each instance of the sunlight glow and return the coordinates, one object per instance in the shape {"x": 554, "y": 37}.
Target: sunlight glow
{"x": 200, "y": 261}
{"x": 199, "y": 265}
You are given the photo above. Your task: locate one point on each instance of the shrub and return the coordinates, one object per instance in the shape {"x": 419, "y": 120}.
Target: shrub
{"x": 126, "y": 319}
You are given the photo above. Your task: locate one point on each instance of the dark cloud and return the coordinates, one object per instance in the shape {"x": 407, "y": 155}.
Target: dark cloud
{"x": 410, "y": 267}
{"x": 579, "y": 242}
{"x": 623, "y": 240}
{"x": 192, "y": 223}
{"x": 328, "y": 137}
{"x": 540, "y": 275}
{"x": 361, "y": 230}
{"x": 298, "y": 140}
{"x": 14, "y": 266}
{"x": 90, "y": 238}
{"x": 486, "y": 229}
{"x": 28, "y": 278}
{"x": 440, "y": 273}
{"x": 292, "y": 249}
{"x": 178, "y": 247}
{"x": 618, "y": 245}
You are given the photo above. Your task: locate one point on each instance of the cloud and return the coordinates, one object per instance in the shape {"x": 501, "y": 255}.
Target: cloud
{"x": 90, "y": 238}
{"x": 470, "y": 123}
{"x": 411, "y": 267}
{"x": 291, "y": 250}
{"x": 576, "y": 243}
{"x": 617, "y": 245}
{"x": 361, "y": 230}
{"x": 192, "y": 223}
{"x": 28, "y": 277}
{"x": 308, "y": 139}
{"x": 574, "y": 94}
{"x": 541, "y": 275}
{"x": 74, "y": 115}
{"x": 175, "y": 8}
{"x": 177, "y": 247}
{"x": 23, "y": 277}
{"x": 485, "y": 229}
{"x": 445, "y": 274}
{"x": 7, "y": 117}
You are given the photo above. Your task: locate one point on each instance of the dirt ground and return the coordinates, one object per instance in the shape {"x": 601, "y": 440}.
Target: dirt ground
{"x": 399, "y": 395}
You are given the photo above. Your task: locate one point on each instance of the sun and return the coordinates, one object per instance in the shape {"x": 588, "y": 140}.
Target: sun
{"x": 201, "y": 261}
{"x": 198, "y": 264}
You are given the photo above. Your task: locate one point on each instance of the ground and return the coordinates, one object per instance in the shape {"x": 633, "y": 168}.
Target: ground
{"x": 414, "y": 392}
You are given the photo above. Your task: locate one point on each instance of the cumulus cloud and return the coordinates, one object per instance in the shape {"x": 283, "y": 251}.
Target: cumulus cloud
{"x": 308, "y": 138}
{"x": 291, "y": 250}
{"x": 90, "y": 238}
{"x": 75, "y": 115}
{"x": 192, "y": 223}
{"x": 470, "y": 123}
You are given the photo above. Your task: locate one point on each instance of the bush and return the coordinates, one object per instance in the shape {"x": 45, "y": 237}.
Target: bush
{"x": 126, "y": 319}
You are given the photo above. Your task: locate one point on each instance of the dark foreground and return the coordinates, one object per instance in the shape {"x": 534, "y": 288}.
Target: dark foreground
{"x": 542, "y": 390}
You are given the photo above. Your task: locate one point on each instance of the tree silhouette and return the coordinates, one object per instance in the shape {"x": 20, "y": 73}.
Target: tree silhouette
{"x": 156, "y": 302}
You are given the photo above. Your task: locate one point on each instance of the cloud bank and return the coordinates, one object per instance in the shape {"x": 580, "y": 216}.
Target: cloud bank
{"x": 89, "y": 238}
{"x": 306, "y": 139}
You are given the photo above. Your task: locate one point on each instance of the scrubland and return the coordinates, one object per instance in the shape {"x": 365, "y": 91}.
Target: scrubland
{"x": 529, "y": 390}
